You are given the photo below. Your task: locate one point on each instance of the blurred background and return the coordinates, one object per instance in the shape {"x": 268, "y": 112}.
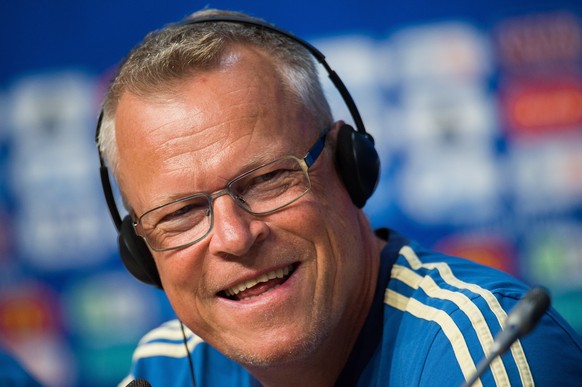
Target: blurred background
{"x": 476, "y": 108}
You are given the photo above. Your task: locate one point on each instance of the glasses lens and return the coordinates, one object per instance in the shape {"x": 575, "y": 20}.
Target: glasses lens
{"x": 177, "y": 224}
{"x": 271, "y": 186}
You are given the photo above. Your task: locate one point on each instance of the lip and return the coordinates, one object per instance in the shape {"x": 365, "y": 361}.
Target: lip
{"x": 269, "y": 295}
{"x": 275, "y": 275}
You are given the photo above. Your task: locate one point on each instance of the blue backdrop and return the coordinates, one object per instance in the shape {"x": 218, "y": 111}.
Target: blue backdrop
{"x": 476, "y": 108}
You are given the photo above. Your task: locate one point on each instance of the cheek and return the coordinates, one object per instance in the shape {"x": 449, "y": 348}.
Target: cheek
{"x": 180, "y": 271}
{"x": 337, "y": 210}
{"x": 182, "y": 277}
{"x": 328, "y": 187}
{"x": 339, "y": 218}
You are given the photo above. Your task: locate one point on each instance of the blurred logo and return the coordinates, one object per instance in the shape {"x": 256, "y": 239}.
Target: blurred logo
{"x": 545, "y": 175}
{"x": 539, "y": 41}
{"x": 487, "y": 249}
{"x": 108, "y": 313}
{"x": 453, "y": 50}
{"x": 553, "y": 254}
{"x": 27, "y": 310}
{"x": 60, "y": 218}
{"x": 543, "y": 107}
{"x": 110, "y": 308}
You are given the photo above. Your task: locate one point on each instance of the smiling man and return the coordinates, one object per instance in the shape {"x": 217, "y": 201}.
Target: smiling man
{"x": 244, "y": 200}
{"x": 262, "y": 288}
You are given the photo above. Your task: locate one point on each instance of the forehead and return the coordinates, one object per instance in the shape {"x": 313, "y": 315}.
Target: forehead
{"x": 209, "y": 128}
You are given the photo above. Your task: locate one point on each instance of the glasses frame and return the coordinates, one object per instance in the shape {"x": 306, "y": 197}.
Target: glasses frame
{"x": 305, "y": 163}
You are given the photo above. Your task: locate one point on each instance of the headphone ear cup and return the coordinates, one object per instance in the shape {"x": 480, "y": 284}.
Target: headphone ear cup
{"x": 358, "y": 163}
{"x": 136, "y": 256}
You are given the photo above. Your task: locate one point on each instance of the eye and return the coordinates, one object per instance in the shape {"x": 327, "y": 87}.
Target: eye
{"x": 264, "y": 182}
{"x": 178, "y": 213}
{"x": 269, "y": 176}
{"x": 189, "y": 212}
{"x": 270, "y": 185}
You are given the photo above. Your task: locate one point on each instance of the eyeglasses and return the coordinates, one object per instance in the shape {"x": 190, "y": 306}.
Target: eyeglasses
{"x": 260, "y": 191}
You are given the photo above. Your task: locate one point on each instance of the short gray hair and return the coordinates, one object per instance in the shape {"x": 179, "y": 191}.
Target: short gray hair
{"x": 167, "y": 56}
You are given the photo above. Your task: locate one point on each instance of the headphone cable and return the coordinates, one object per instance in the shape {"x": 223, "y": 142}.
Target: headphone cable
{"x": 188, "y": 353}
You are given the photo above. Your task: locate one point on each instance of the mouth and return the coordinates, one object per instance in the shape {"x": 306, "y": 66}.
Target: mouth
{"x": 259, "y": 286}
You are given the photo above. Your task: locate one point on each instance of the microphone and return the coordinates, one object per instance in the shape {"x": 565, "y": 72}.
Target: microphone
{"x": 139, "y": 382}
{"x": 520, "y": 321}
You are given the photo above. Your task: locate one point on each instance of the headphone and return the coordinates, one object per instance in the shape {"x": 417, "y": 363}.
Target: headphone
{"x": 356, "y": 160}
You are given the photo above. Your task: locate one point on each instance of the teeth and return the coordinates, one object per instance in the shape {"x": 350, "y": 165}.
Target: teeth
{"x": 263, "y": 278}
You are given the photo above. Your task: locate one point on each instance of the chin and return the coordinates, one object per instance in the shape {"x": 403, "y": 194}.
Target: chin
{"x": 276, "y": 351}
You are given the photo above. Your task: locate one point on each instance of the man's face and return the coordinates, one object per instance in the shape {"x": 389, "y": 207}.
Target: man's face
{"x": 216, "y": 126}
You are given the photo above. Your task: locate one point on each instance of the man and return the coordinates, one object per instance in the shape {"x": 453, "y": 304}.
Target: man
{"x": 231, "y": 168}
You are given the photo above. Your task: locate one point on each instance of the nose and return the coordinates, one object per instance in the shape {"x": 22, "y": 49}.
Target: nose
{"x": 235, "y": 231}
